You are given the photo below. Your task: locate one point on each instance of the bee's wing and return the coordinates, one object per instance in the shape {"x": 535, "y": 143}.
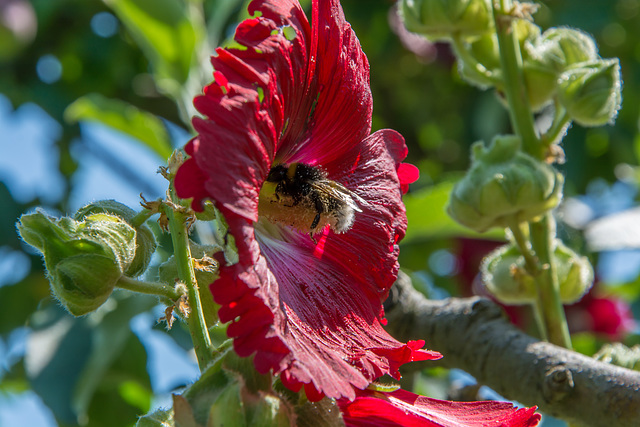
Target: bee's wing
{"x": 338, "y": 191}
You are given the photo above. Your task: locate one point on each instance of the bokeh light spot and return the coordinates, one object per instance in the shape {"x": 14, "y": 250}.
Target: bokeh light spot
{"x": 49, "y": 69}
{"x": 104, "y": 24}
{"x": 443, "y": 263}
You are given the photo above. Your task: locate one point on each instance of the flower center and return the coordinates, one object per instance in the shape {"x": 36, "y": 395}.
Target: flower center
{"x": 302, "y": 197}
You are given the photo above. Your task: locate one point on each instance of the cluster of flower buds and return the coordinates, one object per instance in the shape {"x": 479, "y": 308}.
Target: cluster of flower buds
{"x": 85, "y": 256}
{"x": 504, "y": 186}
{"x": 561, "y": 64}
{"x": 506, "y": 278}
{"x": 440, "y": 19}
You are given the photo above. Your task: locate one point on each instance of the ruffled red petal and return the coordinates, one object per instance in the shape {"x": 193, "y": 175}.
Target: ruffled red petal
{"x": 408, "y": 174}
{"x": 311, "y": 312}
{"x": 405, "y": 409}
{"x": 341, "y": 115}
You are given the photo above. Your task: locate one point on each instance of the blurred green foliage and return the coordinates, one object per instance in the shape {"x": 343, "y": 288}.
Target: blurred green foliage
{"x": 146, "y": 73}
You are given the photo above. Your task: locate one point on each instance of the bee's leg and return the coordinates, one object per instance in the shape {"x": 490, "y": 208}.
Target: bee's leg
{"x": 319, "y": 211}
{"x": 316, "y": 221}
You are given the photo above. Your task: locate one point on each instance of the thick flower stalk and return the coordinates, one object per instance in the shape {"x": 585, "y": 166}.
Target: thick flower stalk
{"x": 312, "y": 200}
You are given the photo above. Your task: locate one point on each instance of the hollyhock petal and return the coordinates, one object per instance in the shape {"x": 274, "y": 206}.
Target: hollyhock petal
{"x": 406, "y": 409}
{"x": 369, "y": 170}
{"x": 310, "y": 310}
{"x": 408, "y": 174}
{"x": 189, "y": 182}
{"x": 327, "y": 320}
{"x": 341, "y": 116}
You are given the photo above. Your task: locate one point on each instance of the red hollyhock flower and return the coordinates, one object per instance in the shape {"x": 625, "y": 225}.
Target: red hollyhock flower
{"x": 308, "y": 306}
{"x": 405, "y": 409}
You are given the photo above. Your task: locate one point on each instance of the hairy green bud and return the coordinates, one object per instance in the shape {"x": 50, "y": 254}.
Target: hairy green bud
{"x": 503, "y": 186}
{"x": 441, "y": 19}
{"x": 620, "y": 355}
{"x": 561, "y": 48}
{"x": 485, "y": 52}
{"x": 545, "y": 57}
{"x": 592, "y": 92}
{"x": 575, "y": 273}
{"x": 505, "y": 276}
{"x": 145, "y": 240}
{"x": 84, "y": 259}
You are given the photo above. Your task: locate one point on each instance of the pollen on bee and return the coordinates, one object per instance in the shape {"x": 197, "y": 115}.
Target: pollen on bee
{"x": 301, "y": 216}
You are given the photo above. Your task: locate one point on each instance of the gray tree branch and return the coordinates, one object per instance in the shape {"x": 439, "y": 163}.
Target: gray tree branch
{"x": 474, "y": 335}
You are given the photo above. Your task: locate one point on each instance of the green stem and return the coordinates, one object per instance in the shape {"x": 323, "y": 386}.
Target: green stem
{"x": 514, "y": 87}
{"x": 141, "y": 217}
{"x": 538, "y": 315}
{"x": 150, "y": 288}
{"x": 196, "y": 321}
{"x": 558, "y": 127}
{"x": 531, "y": 262}
{"x": 530, "y": 259}
{"x": 548, "y": 309}
{"x": 553, "y": 316}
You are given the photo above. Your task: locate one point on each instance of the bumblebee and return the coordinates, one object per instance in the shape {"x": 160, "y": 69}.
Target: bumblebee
{"x": 307, "y": 200}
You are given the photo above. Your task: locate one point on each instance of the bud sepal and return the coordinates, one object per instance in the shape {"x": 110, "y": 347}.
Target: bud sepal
{"x": 591, "y": 92}
{"x": 504, "y": 186}
{"x": 145, "y": 240}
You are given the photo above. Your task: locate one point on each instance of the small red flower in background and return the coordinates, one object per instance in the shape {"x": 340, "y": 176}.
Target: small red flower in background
{"x": 610, "y": 316}
{"x": 309, "y": 307}
{"x": 401, "y": 408}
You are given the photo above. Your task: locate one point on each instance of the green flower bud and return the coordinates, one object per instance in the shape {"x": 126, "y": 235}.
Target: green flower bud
{"x": 484, "y": 49}
{"x": 540, "y": 83}
{"x": 591, "y": 92}
{"x": 575, "y": 274}
{"x": 620, "y": 355}
{"x": 145, "y": 240}
{"x": 548, "y": 55}
{"x": 561, "y": 48}
{"x": 84, "y": 259}
{"x": 503, "y": 186}
{"x": 504, "y": 276}
{"x": 440, "y": 19}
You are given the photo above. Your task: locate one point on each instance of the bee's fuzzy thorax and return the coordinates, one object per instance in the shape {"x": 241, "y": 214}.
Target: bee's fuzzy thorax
{"x": 302, "y": 197}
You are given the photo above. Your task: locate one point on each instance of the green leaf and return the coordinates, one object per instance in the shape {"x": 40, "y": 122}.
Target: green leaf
{"x": 165, "y": 34}
{"x": 428, "y": 218}
{"x": 25, "y": 296}
{"x": 63, "y": 346}
{"x": 116, "y": 402}
{"x": 109, "y": 339}
{"x": 91, "y": 368}
{"x": 119, "y": 115}
{"x": 228, "y": 409}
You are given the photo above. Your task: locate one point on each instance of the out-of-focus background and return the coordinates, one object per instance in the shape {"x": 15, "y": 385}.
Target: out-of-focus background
{"x": 95, "y": 94}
